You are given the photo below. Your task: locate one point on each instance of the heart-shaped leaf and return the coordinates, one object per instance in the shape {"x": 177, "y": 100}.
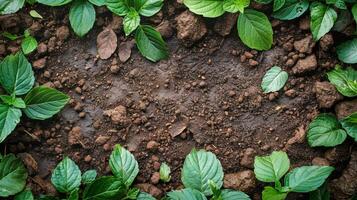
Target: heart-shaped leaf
{"x": 271, "y": 168}
{"x": 66, "y": 177}
{"x": 274, "y": 79}
{"x": 24, "y": 195}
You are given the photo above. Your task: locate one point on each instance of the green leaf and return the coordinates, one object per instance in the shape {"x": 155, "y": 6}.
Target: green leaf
{"x": 340, "y": 4}
{"x": 234, "y": 6}
{"x": 274, "y": 79}
{"x": 270, "y": 193}
{"x": 131, "y": 22}
{"x": 322, "y": 19}
{"x": 123, "y": 165}
{"x": 119, "y": 7}
{"x": 263, "y": 1}
{"x": 350, "y": 125}
{"x": 186, "y": 194}
{"x": 16, "y": 75}
{"x": 292, "y": 9}
{"x": 307, "y": 178}
{"x": 344, "y": 80}
{"x": 13, "y": 101}
{"x": 199, "y": 168}
{"x": 145, "y": 196}
{"x": 82, "y": 17}
{"x": 28, "y": 44}
{"x": 150, "y": 7}
{"x": 347, "y": 51}
{"x": 74, "y": 195}
{"x": 9, "y": 36}
{"x": 132, "y": 193}
{"x": 13, "y": 175}
{"x": 89, "y": 176}
{"x": 24, "y": 195}
{"x": 54, "y": 2}
{"x": 255, "y": 30}
{"x": 325, "y": 131}
{"x": 278, "y": 4}
{"x": 206, "y": 8}
{"x": 43, "y": 102}
{"x": 233, "y": 195}
{"x": 271, "y": 168}
{"x": 31, "y": 2}
{"x": 106, "y": 187}
{"x": 165, "y": 173}
{"x": 35, "y": 14}
{"x": 10, "y": 6}
{"x": 322, "y": 193}
{"x": 354, "y": 12}
{"x": 150, "y": 43}
{"x": 98, "y": 2}
{"x": 9, "y": 118}
{"x": 66, "y": 177}
{"x": 344, "y": 19}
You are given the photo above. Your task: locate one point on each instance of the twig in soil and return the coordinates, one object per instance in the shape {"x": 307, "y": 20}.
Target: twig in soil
{"x": 34, "y": 137}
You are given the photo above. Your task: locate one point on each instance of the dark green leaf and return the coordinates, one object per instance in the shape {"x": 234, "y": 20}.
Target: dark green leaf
{"x": 263, "y": 1}
{"x": 347, "y": 51}
{"x": 270, "y": 193}
{"x": 66, "y": 177}
{"x": 186, "y": 194}
{"x": 322, "y": 193}
{"x": 54, "y": 2}
{"x": 354, "y": 12}
{"x": 322, "y": 19}
{"x": 24, "y": 195}
{"x": 89, "y": 176}
{"x": 106, "y": 187}
{"x": 132, "y": 193}
{"x": 9, "y": 118}
{"x": 10, "y": 6}
{"x": 98, "y": 2}
{"x": 274, "y": 79}
{"x": 119, "y": 7}
{"x": 82, "y": 17}
{"x": 28, "y": 44}
{"x": 131, "y": 22}
{"x": 74, "y": 195}
{"x": 278, "y": 4}
{"x": 271, "y": 168}
{"x": 344, "y": 19}
{"x": 292, "y": 9}
{"x": 43, "y": 102}
{"x": 344, "y": 80}
{"x": 350, "y": 125}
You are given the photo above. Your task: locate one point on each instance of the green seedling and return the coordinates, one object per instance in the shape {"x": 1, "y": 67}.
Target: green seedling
{"x": 165, "y": 173}
{"x": 274, "y": 80}
{"x": 345, "y": 80}
{"x": 28, "y": 43}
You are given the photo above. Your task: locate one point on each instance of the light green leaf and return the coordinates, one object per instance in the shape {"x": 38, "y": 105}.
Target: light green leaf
{"x": 54, "y": 2}
{"x": 13, "y": 101}
{"x": 119, "y": 7}
{"x": 233, "y": 195}
{"x": 292, "y": 9}
{"x": 106, "y": 187}
{"x": 325, "y": 131}
{"x": 145, "y": 196}
{"x": 131, "y": 22}
{"x": 206, "y": 8}
{"x": 28, "y": 44}
{"x": 98, "y": 2}
{"x": 150, "y": 7}
{"x": 9, "y": 36}
{"x": 82, "y": 17}
{"x": 234, "y": 6}
{"x": 13, "y": 175}
{"x": 43, "y": 102}
{"x": 9, "y": 118}
{"x": 271, "y": 168}
{"x": 16, "y": 75}
{"x": 186, "y": 194}
{"x": 322, "y": 193}
{"x": 150, "y": 43}
{"x": 278, "y": 4}
{"x": 307, "y": 178}
{"x": 255, "y": 30}
{"x": 199, "y": 168}
{"x": 89, "y": 176}
{"x": 344, "y": 80}
{"x": 274, "y": 79}
{"x": 347, "y": 51}
{"x": 10, "y": 6}
{"x": 123, "y": 165}
{"x": 66, "y": 177}
{"x": 165, "y": 173}
{"x": 350, "y": 125}
{"x": 322, "y": 19}
{"x": 24, "y": 195}
{"x": 35, "y": 14}
{"x": 270, "y": 193}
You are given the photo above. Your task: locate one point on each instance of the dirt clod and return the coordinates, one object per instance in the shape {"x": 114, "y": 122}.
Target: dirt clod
{"x": 305, "y": 65}
{"x": 30, "y": 162}
{"x": 326, "y": 94}
{"x": 345, "y": 108}
{"x": 190, "y": 27}
{"x": 243, "y": 181}
{"x": 248, "y": 158}
{"x": 155, "y": 178}
{"x": 320, "y": 161}
{"x": 62, "y": 33}
{"x": 74, "y": 136}
{"x": 151, "y": 189}
{"x": 225, "y": 24}
{"x": 117, "y": 115}
{"x": 39, "y": 64}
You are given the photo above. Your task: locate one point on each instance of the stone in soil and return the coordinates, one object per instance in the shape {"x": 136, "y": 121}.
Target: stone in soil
{"x": 248, "y": 158}
{"x": 305, "y": 45}
{"x": 74, "y": 136}
{"x": 117, "y": 115}
{"x": 305, "y": 65}
{"x": 326, "y": 94}
{"x": 224, "y": 25}
{"x": 190, "y": 27}
{"x": 151, "y": 189}
{"x": 62, "y": 33}
{"x": 243, "y": 181}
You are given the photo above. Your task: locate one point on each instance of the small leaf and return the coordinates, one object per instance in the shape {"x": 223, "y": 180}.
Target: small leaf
{"x": 165, "y": 173}
{"x": 13, "y": 101}
{"x": 150, "y": 43}
{"x": 24, "y": 195}
{"x": 255, "y": 30}
{"x": 322, "y": 193}
{"x": 119, "y": 7}
{"x": 322, "y": 19}
{"x": 131, "y": 22}
{"x": 186, "y": 194}
{"x": 106, "y": 187}
{"x": 43, "y": 102}
{"x": 35, "y": 14}
{"x": 233, "y": 195}
{"x": 29, "y": 44}
{"x": 271, "y": 168}
{"x": 206, "y": 8}
{"x": 274, "y": 79}
{"x": 9, "y": 118}
{"x": 325, "y": 131}
{"x": 54, "y": 2}
{"x": 292, "y": 9}
{"x": 89, "y": 176}
{"x": 234, "y": 6}
{"x": 278, "y": 4}
{"x": 150, "y": 7}
{"x": 106, "y": 43}
{"x": 347, "y": 51}
{"x": 66, "y": 177}
{"x": 350, "y": 125}
{"x": 145, "y": 196}
{"x": 9, "y": 36}
{"x": 10, "y": 6}
{"x": 16, "y": 75}
{"x": 123, "y": 165}
{"x": 307, "y": 178}
{"x": 13, "y": 175}
{"x": 82, "y": 17}
{"x": 199, "y": 168}
{"x": 270, "y": 193}
{"x": 344, "y": 80}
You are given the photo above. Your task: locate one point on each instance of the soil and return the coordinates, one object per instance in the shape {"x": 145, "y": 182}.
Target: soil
{"x": 206, "y": 95}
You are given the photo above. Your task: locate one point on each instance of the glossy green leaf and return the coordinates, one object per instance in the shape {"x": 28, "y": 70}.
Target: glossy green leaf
{"x": 24, "y": 195}
{"x": 350, "y": 125}
{"x": 123, "y": 165}
{"x": 227, "y": 194}
{"x": 234, "y": 6}
{"x": 9, "y": 118}
{"x": 347, "y": 51}
{"x": 149, "y": 8}
{"x": 271, "y": 168}
{"x": 292, "y": 9}
{"x": 150, "y": 43}
{"x": 186, "y": 194}
{"x": 131, "y": 22}
{"x": 307, "y": 178}
{"x": 119, "y": 7}
{"x": 10, "y": 6}
{"x": 165, "y": 172}
{"x": 322, "y": 19}
{"x": 278, "y": 4}
{"x": 54, "y": 2}
{"x": 274, "y": 79}
{"x": 35, "y": 14}
{"x": 82, "y": 17}
{"x": 28, "y": 44}
{"x": 145, "y": 196}
{"x": 325, "y": 130}
{"x": 89, "y": 176}
{"x": 269, "y": 193}
{"x": 43, "y": 102}
{"x": 344, "y": 80}
{"x": 106, "y": 187}
{"x": 98, "y": 2}
{"x": 206, "y": 8}
{"x": 199, "y": 168}
{"x": 13, "y": 176}
{"x": 322, "y": 193}
{"x": 66, "y": 177}
{"x": 255, "y": 30}
{"x": 16, "y": 75}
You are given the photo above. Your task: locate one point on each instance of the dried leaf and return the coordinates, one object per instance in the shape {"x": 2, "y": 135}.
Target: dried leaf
{"x": 106, "y": 43}
{"x": 125, "y": 50}
{"x": 177, "y": 128}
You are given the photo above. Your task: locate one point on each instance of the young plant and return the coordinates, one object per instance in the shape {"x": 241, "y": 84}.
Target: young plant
{"x": 28, "y": 43}
{"x": 12, "y": 6}
{"x": 148, "y": 40}
{"x": 254, "y": 28}
{"x": 17, "y": 79}
{"x": 274, "y": 80}
{"x": 272, "y": 168}
{"x": 202, "y": 176}
{"x": 345, "y": 81}
{"x": 165, "y": 173}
